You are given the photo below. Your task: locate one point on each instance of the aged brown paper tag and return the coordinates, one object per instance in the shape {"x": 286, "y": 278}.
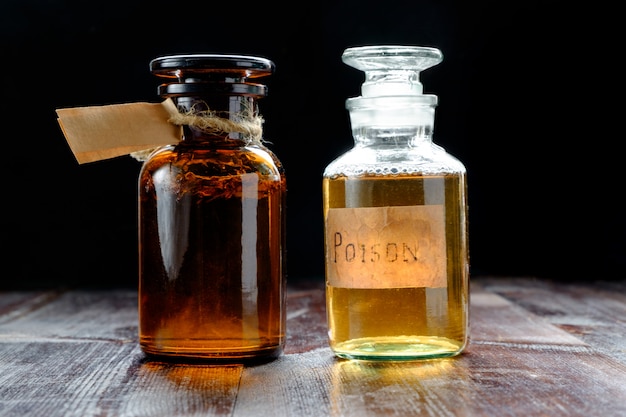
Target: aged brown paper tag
{"x": 386, "y": 247}
{"x": 101, "y": 132}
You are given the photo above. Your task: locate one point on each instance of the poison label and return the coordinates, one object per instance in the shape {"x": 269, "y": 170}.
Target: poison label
{"x": 386, "y": 247}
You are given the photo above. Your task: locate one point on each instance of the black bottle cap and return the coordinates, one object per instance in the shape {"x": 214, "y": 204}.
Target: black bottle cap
{"x": 236, "y": 66}
{"x": 198, "y": 74}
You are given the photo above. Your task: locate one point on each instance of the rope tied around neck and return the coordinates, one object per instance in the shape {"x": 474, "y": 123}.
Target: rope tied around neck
{"x": 210, "y": 122}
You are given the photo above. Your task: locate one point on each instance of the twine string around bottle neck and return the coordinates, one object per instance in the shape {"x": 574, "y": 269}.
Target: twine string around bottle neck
{"x": 247, "y": 123}
{"x": 209, "y": 121}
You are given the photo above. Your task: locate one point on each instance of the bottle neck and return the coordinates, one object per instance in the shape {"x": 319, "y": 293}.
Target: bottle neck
{"x": 391, "y": 122}
{"x": 227, "y": 118}
{"x": 393, "y": 137}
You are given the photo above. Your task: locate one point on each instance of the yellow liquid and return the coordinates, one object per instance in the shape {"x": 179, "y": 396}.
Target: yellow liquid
{"x": 410, "y": 322}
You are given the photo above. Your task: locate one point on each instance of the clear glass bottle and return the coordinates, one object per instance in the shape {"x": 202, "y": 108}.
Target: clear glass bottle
{"x": 395, "y": 220}
{"x": 212, "y": 219}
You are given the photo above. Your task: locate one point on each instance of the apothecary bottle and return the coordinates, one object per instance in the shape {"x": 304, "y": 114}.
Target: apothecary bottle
{"x": 395, "y": 220}
{"x": 212, "y": 218}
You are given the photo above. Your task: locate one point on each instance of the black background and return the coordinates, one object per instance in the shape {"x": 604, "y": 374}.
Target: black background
{"x": 529, "y": 100}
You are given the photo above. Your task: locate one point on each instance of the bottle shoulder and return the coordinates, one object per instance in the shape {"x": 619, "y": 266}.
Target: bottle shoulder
{"x": 214, "y": 161}
{"x": 426, "y": 160}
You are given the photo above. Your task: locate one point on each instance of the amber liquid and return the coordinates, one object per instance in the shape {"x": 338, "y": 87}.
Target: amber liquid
{"x": 410, "y": 322}
{"x": 211, "y": 256}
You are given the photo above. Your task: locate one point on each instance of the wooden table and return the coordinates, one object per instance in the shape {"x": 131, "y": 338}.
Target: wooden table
{"x": 537, "y": 348}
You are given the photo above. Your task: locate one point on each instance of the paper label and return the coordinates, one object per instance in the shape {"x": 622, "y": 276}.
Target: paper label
{"x": 101, "y": 132}
{"x": 386, "y": 247}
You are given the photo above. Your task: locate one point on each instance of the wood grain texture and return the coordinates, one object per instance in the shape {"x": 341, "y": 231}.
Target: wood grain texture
{"x": 593, "y": 312}
{"x": 537, "y": 349}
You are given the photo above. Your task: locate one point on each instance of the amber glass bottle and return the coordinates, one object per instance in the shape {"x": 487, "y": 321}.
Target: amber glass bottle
{"x": 212, "y": 219}
{"x": 395, "y": 213}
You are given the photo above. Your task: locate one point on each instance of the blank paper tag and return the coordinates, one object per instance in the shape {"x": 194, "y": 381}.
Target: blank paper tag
{"x": 101, "y": 132}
